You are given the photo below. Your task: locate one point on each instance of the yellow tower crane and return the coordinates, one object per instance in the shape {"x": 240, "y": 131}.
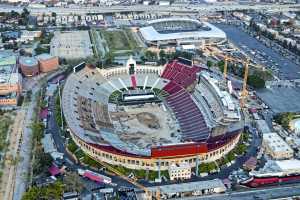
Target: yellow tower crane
{"x": 244, "y": 90}
{"x": 225, "y": 67}
{"x": 246, "y": 64}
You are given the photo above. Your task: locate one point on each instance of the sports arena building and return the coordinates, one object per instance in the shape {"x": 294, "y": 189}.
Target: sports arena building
{"x": 149, "y": 117}
{"x": 180, "y": 31}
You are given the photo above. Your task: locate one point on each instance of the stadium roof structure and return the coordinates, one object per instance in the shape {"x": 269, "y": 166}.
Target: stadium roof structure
{"x": 151, "y": 34}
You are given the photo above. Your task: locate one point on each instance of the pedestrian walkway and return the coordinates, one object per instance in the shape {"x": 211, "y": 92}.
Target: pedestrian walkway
{"x": 11, "y": 157}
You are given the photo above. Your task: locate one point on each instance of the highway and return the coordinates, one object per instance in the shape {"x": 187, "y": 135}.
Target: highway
{"x": 175, "y": 9}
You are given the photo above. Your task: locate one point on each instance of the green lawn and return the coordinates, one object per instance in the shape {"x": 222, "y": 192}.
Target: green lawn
{"x": 5, "y": 121}
{"x": 119, "y": 40}
{"x": 115, "y": 96}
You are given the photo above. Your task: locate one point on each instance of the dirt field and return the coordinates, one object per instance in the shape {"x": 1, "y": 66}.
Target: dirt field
{"x": 144, "y": 125}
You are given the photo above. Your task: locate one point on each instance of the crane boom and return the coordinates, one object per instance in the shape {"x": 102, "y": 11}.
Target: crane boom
{"x": 225, "y": 67}
{"x": 244, "y": 91}
{"x": 245, "y": 78}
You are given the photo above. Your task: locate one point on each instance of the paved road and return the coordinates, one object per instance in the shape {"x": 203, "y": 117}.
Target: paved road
{"x": 22, "y": 172}
{"x": 156, "y": 8}
{"x": 263, "y": 193}
{"x": 289, "y": 69}
{"x": 25, "y": 151}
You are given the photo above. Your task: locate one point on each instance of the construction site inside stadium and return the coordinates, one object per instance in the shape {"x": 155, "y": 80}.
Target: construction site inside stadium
{"x": 150, "y": 117}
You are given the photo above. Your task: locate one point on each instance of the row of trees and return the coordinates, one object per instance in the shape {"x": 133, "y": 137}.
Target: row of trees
{"x": 53, "y": 191}
{"x": 41, "y": 160}
{"x": 22, "y": 18}
{"x": 162, "y": 57}
{"x": 284, "y": 119}
{"x": 288, "y": 45}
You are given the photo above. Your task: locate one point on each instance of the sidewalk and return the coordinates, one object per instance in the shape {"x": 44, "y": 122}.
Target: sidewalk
{"x": 11, "y": 157}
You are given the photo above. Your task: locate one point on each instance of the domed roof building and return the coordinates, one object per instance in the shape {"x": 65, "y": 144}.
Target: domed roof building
{"x": 29, "y": 66}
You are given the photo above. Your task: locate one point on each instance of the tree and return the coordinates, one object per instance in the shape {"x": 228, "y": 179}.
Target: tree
{"x": 72, "y": 182}
{"x": 209, "y": 63}
{"x": 221, "y": 65}
{"x": 162, "y": 56}
{"x": 14, "y": 14}
{"x": 25, "y": 13}
{"x": 109, "y": 58}
{"x": 42, "y": 161}
{"x": 150, "y": 56}
{"x": 52, "y": 191}
{"x": 255, "y": 81}
{"x": 40, "y": 50}
{"x": 284, "y": 119}
{"x": 37, "y": 130}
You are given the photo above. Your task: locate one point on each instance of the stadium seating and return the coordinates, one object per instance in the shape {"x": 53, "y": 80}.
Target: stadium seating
{"x": 175, "y": 26}
{"x": 179, "y": 74}
{"x": 84, "y": 110}
{"x": 101, "y": 115}
{"x": 190, "y": 118}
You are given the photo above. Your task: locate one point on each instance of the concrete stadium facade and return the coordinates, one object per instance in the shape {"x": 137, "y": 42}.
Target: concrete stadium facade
{"x": 92, "y": 85}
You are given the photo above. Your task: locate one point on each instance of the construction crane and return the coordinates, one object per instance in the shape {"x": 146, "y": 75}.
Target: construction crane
{"x": 245, "y": 79}
{"x": 132, "y": 181}
{"x": 244, "y": 90}
{"x": 246, "y": 64}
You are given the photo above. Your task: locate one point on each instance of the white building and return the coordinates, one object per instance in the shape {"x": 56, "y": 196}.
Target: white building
{"x": 276, "y": 147}
{"x": 198, "y": 188}
{"x": 27, "y": 36}
{"x": 164, "y": 3}
{"x": 180, "y": 31}
{"x": 180, "y": 171}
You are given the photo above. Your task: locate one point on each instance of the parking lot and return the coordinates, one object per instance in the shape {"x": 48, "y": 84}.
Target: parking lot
{"x": 283, "y": 67}
{"x": 281, "y": 99}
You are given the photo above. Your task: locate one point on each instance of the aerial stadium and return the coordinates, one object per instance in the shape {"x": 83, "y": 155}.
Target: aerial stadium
{"x": 150, "y": 117}
{"x": 180, "y": 31}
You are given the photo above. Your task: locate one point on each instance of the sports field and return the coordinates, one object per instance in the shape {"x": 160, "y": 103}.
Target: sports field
{"x": 119, "y": 40}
